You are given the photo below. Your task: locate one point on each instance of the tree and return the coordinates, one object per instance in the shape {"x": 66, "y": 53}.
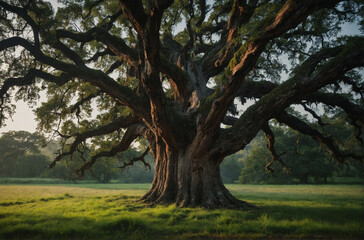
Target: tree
{"x": 302, "y": 158}
{"x": 231, "y": 167}
{"x": 169, "y": 72}
{"x": 136, "y": 171}
{"x": 31, "y": 166}
{"x": 255, "y": 162}
{"x": 18, "y": 151}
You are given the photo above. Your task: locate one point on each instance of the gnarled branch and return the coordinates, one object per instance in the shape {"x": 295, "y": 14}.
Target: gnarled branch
{"x": 137, "y": 159}
{"x": 29, "y": 78}
{"x": 130, "y": 135}
{"x": 115, "y": 44}
{"x": 271, "y": 140}
{"x": 289, "y": 92}
{"x": 290, "y": 15}
{"x": 24, "y": 14}
{"x": 299, "y": 125}
{"x": 121, "y": 122}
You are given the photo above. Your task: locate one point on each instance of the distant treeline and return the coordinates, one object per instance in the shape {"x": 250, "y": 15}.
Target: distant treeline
{"x": 22, "y": 155}
{"x": 302, "y": 160}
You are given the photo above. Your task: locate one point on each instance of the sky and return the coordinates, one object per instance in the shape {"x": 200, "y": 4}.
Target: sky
{"x": 24, "y": 118}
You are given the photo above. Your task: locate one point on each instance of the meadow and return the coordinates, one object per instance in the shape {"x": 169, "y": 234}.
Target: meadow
{"x": 111, "y": 211}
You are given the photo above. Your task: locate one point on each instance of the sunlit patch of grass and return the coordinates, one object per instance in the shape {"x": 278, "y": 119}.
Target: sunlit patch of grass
{"x": 63, "y": 212}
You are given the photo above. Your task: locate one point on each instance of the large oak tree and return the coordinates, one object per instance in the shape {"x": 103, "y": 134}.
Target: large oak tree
{"x": 171, "y": 73}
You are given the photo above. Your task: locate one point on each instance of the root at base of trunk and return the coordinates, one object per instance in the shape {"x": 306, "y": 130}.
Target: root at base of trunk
{"x": 183, "y": 179}
{"x": 212, "y": 201}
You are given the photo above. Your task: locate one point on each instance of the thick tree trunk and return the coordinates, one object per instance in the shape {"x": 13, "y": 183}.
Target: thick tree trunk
{"x": 188, "y": 182}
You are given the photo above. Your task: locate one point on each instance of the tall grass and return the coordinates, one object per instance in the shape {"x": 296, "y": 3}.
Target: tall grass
{"x": 102, "y": 211}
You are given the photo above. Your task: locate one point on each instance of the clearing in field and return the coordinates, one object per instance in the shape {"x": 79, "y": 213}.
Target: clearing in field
{"x": 98, "y": 211}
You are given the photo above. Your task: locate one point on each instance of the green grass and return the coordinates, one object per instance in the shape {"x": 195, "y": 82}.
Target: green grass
{"x": 110, "y": 211}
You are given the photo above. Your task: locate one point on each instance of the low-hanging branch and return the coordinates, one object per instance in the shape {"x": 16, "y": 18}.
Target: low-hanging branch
{"x": 79, "y": 138}
{"x": 141, "y": 158}
{"x": 354, "y": 111}
{"x": 314, "y": 114}
{"x": 130, "y": 135}
{"x": 271, "y": 140}
{"x": 302, "y": 127}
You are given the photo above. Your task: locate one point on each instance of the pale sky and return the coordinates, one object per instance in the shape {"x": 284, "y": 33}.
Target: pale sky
{"x": 24, "y": 118}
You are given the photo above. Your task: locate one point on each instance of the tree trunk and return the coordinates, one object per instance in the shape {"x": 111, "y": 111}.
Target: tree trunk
{"x": 188, "y": 182}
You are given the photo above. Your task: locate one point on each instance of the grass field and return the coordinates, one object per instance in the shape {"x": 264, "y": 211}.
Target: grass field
{"x": 110, "y": 211}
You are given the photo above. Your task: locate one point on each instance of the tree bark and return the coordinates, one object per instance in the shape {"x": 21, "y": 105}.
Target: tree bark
{"x": 181, "y": 179}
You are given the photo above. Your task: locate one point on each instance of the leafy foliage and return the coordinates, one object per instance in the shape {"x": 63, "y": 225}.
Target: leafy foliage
{"x": 20, "y": 156}
{"x": 303, "y": 160}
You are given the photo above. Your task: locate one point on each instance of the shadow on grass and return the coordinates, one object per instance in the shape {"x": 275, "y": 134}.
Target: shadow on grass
{"x": 332, "y": 214}
{"x": 23, "y": 226}
{"x": 119, "y": 217}
{"x": 12, "y": 203}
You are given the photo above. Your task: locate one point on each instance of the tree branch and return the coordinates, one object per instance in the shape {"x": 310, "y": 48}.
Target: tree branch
{"x": 77, "y": 105}
{"x": 252, "y": 89}
{"x": 130, "y": 135}
{"x": 97, "y": 55}
{"x": 302, "y": 127}
{"x": 121, "y": 122}
{"x": 23, "y": 13}
{"x": 134, "y": 11}
{"x": 68, "y": 52}
{"x": 218, "y": 58}
{"x": 314, "y": 114}
{"x": 137, "y": 159}
{"x": 37, "y": 53}
{"x": 148, "y": 27}
{"x": 271, "y": 140}
{"x": 289, "y": 92}
{"x": 115, "y": 44}
{"x": 123, "y": 94}
{"x": 290, "y": 15}
{"x": 29, "y": 78}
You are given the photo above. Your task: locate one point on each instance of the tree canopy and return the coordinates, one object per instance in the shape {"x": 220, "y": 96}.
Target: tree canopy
{"x": 20, "y": 155}
{"x": 302, "y": 160}
{"x": 173, "y": 74}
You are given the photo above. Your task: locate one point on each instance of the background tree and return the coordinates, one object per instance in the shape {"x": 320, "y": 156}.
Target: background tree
{"x": 122, "y": 168}
{"x": 31, "y": 166}
{"x": 170, "y": 71}
{"x": 304, "y": 158}
{"x": 137, "y": 172}
{"x": 231, "y": 168}
{"x": 300, "y": 158}
{"x": 20, "y": 155}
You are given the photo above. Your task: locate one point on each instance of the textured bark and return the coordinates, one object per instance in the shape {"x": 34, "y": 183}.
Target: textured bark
{"x": 186, "y": 181}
